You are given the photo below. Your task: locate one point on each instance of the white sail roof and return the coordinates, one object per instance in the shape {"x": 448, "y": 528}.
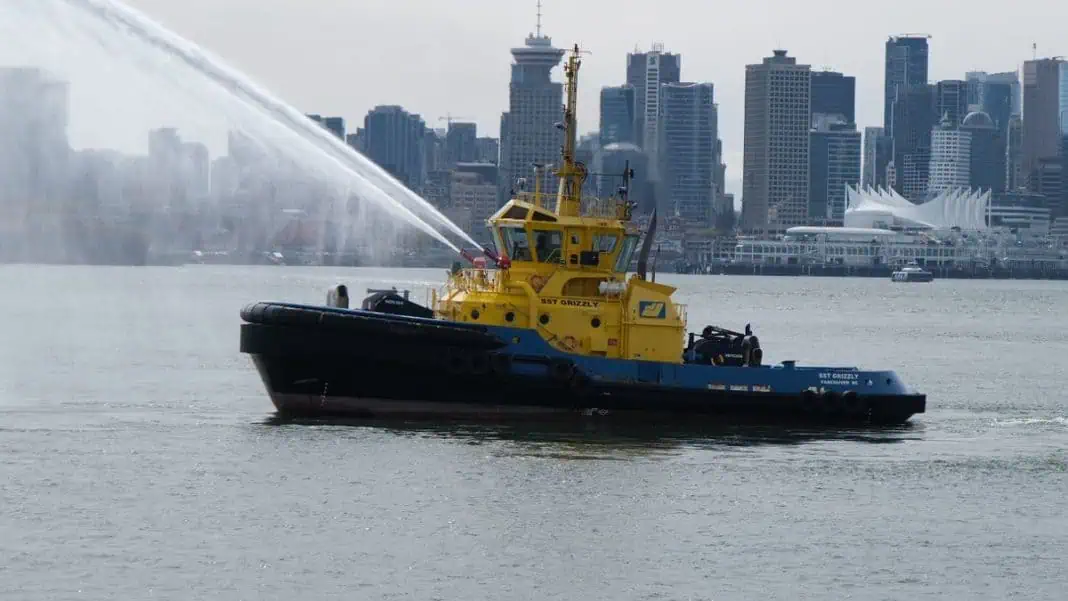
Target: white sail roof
{"x": 880, "y": 207}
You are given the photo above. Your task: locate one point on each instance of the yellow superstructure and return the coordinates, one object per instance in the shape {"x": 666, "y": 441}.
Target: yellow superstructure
{"x": 563, "y": 270}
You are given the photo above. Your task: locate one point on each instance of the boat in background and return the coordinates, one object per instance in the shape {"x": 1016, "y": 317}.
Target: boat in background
{"x": 912, "y": 273}
{"x": 549, "y": 324}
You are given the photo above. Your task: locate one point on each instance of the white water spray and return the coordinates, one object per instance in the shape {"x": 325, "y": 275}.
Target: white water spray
{"x": 181, "y": 69}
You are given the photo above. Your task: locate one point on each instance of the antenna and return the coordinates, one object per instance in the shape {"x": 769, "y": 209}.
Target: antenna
{"x": 1034, "y": 51}
{"x": 539, "y": 18}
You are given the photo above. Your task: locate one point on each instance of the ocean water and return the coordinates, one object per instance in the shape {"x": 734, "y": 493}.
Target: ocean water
{"x": 139, "y": 458}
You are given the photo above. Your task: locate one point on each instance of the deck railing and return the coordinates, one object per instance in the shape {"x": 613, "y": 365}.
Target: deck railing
{"x": 475, "y": 279}
{"x": 592, "y": 206}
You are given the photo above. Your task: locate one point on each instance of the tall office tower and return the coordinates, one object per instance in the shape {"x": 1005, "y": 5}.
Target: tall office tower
{"x": 689, "y": 129}
{"x": 34, "y": 145}
{"x": 913, "y": 115}
{"x": 489, "y": 150}
{"x": 977, "y": 92}
{"x": 617, "y": 115}
{"x": 460, "y": 143}
{"x": 906, "y": 66}
{"x": 1045, "y": 98}
{"x": 396, "y": 140}
{"x": 987, "y": 161}
{"x": 529, "y": 135}
{"x": 951, "y": 100}
{"x": 950, "y": 157}
{"x": 335, "y": 125}
{"x": 646, "y": 72}
{"x": 434, "y": 152}
{"x": 878, "y": 155}
{"x": 869, "y": 166}
{"x": 834, "y": 94}
{"x": 1014, "y": 176}
{"x": 777, "y": 123}
{"x": 834, "y": 163}
{"x": 997, "y": 103}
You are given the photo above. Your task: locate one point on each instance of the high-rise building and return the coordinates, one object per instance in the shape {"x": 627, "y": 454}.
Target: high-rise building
{"x": 878, "y": 154}
{"x": 913, "y": 116}
{"x": 646, "y": 73}
{"x": 1045, "y": 107}
{"x": 977, "y": 93}
{"x": 334, "y": 125}
{"x": 834, "y": 163}
{"x": 395, "y": 140}
{"x": 529, "y": 135}
{"x": 777, "y": 123}
{"x": 950, "y": 157}
{"x": 460, "y": 143}
{"x": 951, "y": 100}
{"x": 611, "y": 163}
{"x": 834, "y": 94}
{"x": 906, "y": 66}
{"x": 434, "y": 151}
{"x": 473, "y": 191}
{"x": 618, "y": 118}
{"x": 489, "y": 150}
{"x": 34, "y": 147}
{"x": 987, "y": 162}
{"x": 1014, "y": 175}
{"x": 689, "y": 129}
{"x": 997, "y": 103}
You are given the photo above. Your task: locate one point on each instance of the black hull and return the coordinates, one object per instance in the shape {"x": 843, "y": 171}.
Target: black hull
{"x": 322, "y": 364}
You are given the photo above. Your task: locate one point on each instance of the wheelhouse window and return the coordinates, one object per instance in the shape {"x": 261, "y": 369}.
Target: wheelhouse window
{"x": 605, "y": 243}
{"x": 516, "y": 245}
{"x": 625, "y": 252}
{"x": 548, "y": 246}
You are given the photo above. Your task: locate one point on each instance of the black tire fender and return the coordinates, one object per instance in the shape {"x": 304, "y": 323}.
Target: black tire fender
{"x": 561, "y": 370}
{"x": 501, "y": 364}
{"x": 832, "y": 403}
{"x": 456, "y": 362}
{"x": 854, "y": 404}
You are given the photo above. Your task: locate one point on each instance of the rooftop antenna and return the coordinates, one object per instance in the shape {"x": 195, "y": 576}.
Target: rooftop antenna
{"x": 1034, "y": 51}
{"x": 539, "y": 19}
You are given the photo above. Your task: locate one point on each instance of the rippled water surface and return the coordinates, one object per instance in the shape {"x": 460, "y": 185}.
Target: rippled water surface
{"x": 139, "y": 459}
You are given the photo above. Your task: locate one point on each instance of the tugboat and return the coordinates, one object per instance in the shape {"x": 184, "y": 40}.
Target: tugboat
{"x": 912, "y": 273}
{"x": 548, "y": 323}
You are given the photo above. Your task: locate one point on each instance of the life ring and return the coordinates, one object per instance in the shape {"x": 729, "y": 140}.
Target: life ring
{"x": 569, "y": 343}
{"x": 537, "y": 282}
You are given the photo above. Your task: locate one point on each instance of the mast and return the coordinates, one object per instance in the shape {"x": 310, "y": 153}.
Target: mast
{"x": 571, "y": 174}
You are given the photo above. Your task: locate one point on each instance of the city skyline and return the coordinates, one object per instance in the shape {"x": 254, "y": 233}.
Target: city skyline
{"x": 319, "y": 65}
{"x": 447, "y": 41}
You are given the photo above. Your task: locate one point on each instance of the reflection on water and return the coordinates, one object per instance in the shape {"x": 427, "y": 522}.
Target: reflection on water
{"x": 577, "y": 439}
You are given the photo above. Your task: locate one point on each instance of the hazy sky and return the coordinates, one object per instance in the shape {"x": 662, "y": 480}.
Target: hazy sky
{"x": 342, "y": 57}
